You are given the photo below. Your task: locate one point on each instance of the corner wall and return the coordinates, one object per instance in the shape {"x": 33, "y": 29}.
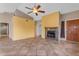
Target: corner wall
{"x": 50, "y": 20}
{"x": 69, "y": 16}
{"x": 23, "y": 28}
{"x": 6, "y": 17}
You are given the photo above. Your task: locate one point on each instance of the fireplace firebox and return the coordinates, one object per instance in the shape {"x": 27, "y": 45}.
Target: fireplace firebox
{"x": 51, "y": 32}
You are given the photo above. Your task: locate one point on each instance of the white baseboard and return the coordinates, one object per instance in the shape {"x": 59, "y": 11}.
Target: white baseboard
{"x": 62, "y": 39}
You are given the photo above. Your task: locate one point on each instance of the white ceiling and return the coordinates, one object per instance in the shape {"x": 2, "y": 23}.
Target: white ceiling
{"x": 48, "y": 7}
{"x": 8, "y": 7}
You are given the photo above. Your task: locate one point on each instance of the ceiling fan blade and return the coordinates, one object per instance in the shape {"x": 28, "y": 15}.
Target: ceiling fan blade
{"x": 29, "y": 12}
{"x": 38, "y": 6}
{"x": 41, "y": 11}
{"x": 29, "y": 8}
{"x": 36, "y": 14}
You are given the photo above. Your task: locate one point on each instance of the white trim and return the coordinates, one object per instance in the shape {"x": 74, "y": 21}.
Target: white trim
{"x": 59, "y": 33}
{"x": 65, "y": 29}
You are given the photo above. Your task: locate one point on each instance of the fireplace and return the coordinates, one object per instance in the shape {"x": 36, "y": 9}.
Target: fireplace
{"x": 51, "y": 33}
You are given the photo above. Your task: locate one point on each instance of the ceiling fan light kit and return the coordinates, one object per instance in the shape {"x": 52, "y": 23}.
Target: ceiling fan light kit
{"x": 35, "y": 10}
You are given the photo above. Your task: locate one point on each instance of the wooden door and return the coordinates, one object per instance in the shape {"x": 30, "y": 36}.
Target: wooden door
{"x": 73, "y": 30}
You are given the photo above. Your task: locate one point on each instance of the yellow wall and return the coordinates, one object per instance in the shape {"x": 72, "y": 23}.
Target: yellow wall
{"x": 23, "y": 29}
{"x": 51, "y": 20}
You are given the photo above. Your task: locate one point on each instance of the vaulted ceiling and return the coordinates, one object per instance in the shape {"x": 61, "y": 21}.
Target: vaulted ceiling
{"x": 48, "y": 7}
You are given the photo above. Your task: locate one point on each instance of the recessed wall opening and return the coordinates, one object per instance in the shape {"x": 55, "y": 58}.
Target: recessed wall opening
{"x": 51, "y": 32}
{"x": 62, "y": 29}
{"x": 4, "y": 29}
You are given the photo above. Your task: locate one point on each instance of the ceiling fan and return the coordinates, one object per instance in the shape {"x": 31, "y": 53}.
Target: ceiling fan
{"x": 36, "y": 9}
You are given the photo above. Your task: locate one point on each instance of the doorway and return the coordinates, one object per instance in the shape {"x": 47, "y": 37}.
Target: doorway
{"x": 73, "y": 30}
{"x": 4, "y": 29}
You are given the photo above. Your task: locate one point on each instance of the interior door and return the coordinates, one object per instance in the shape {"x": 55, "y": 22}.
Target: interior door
{"x": 73, "y": 30}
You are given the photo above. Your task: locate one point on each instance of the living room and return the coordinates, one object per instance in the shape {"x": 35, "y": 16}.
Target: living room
{"x": 41, "y": 29}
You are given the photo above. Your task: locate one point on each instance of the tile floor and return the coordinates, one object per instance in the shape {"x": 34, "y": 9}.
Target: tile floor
{"x": 37, "y": 47}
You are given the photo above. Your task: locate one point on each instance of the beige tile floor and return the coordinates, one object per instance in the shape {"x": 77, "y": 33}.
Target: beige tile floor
{"x": 37, "y": 47}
